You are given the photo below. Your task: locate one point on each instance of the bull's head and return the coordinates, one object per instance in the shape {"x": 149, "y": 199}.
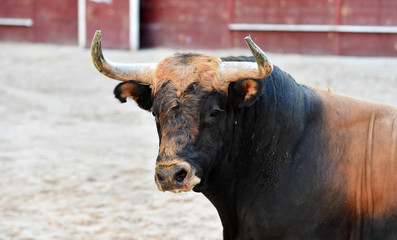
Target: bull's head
{"x": 189, "y": 95}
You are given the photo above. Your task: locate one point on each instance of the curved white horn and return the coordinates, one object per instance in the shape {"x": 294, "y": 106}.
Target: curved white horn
{"x": 120, "y": 71}
{"x": 235, "y": 71}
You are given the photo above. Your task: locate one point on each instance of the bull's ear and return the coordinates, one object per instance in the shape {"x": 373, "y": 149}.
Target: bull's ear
{"x": 246, "y": 92}
{"x": 139, "y": 92}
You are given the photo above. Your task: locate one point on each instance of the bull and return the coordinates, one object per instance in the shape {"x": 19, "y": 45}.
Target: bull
{"x": 277, "y": 159}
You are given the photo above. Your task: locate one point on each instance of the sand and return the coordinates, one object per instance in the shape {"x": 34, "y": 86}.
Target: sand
{"x": 77, "y": 164}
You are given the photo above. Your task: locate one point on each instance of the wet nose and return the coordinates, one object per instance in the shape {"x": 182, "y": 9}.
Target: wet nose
{"x": 171, "y": 177}
{"x": 177, "y": 175}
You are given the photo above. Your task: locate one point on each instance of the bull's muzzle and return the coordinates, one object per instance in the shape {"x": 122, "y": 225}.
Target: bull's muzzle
{"x": 175, "y": 176}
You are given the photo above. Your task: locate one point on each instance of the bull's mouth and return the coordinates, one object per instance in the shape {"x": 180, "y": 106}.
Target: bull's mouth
{"x": 176, "y": 177}
{"x": 200, "y": 187}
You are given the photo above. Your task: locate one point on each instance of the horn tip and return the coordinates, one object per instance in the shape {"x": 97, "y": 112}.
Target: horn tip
{"x": 251, "y": 44}
{"x": 98, "y": 33}
{"x": 248, "y": 38}
{"x": 96, "y": 40}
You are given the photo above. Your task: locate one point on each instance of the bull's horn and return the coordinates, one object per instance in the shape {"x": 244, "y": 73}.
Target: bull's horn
{"x": 235, "y": 71}
{"x": 120, "y": 71}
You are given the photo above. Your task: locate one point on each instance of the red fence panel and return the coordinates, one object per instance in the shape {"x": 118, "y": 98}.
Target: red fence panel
{"x": 284, "y": 12}
{"x": 184, "y": 24}
{"x": 112, "y": 17}
{"x": 53, "y": 21}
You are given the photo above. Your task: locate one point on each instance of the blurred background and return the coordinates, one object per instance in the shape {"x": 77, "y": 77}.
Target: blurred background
{"x": 77, "y": 164}
{"x": 337, "y": 27}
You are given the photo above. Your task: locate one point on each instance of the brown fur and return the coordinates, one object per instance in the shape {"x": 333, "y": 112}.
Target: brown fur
{"x": 250, "y": 88}
{"x": 127, "y": 90}
{"x": 184, "y": 69}
{"x": 363, "y": 142}
{"x": 178, "y": 113}
{"x": 175, "y": 76}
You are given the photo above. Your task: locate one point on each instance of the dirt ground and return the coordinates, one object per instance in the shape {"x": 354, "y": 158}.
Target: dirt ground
{"x": 77, "y": 164}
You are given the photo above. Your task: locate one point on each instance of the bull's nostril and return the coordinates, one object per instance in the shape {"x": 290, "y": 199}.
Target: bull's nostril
{"x": 159, "y": 178}
{"x": 180, "y": 175}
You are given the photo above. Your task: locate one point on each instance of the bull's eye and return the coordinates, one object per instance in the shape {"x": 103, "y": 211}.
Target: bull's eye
{"x": 214, "y": 113}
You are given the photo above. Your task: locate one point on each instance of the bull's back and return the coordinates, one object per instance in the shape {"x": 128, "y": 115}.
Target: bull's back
{"x": 361, "y": 139}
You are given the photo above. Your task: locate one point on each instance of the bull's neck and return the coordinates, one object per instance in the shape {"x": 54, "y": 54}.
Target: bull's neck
{"x": 268, "y": 132}
{"x": 264, "y": 140}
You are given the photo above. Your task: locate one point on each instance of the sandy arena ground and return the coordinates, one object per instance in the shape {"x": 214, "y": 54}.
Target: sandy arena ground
{"x": 77, "y": 164}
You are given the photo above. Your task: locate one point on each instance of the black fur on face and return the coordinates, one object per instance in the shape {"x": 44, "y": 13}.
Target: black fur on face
{"x": 194, "y": 122}
{"x": 190, "y": 127}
